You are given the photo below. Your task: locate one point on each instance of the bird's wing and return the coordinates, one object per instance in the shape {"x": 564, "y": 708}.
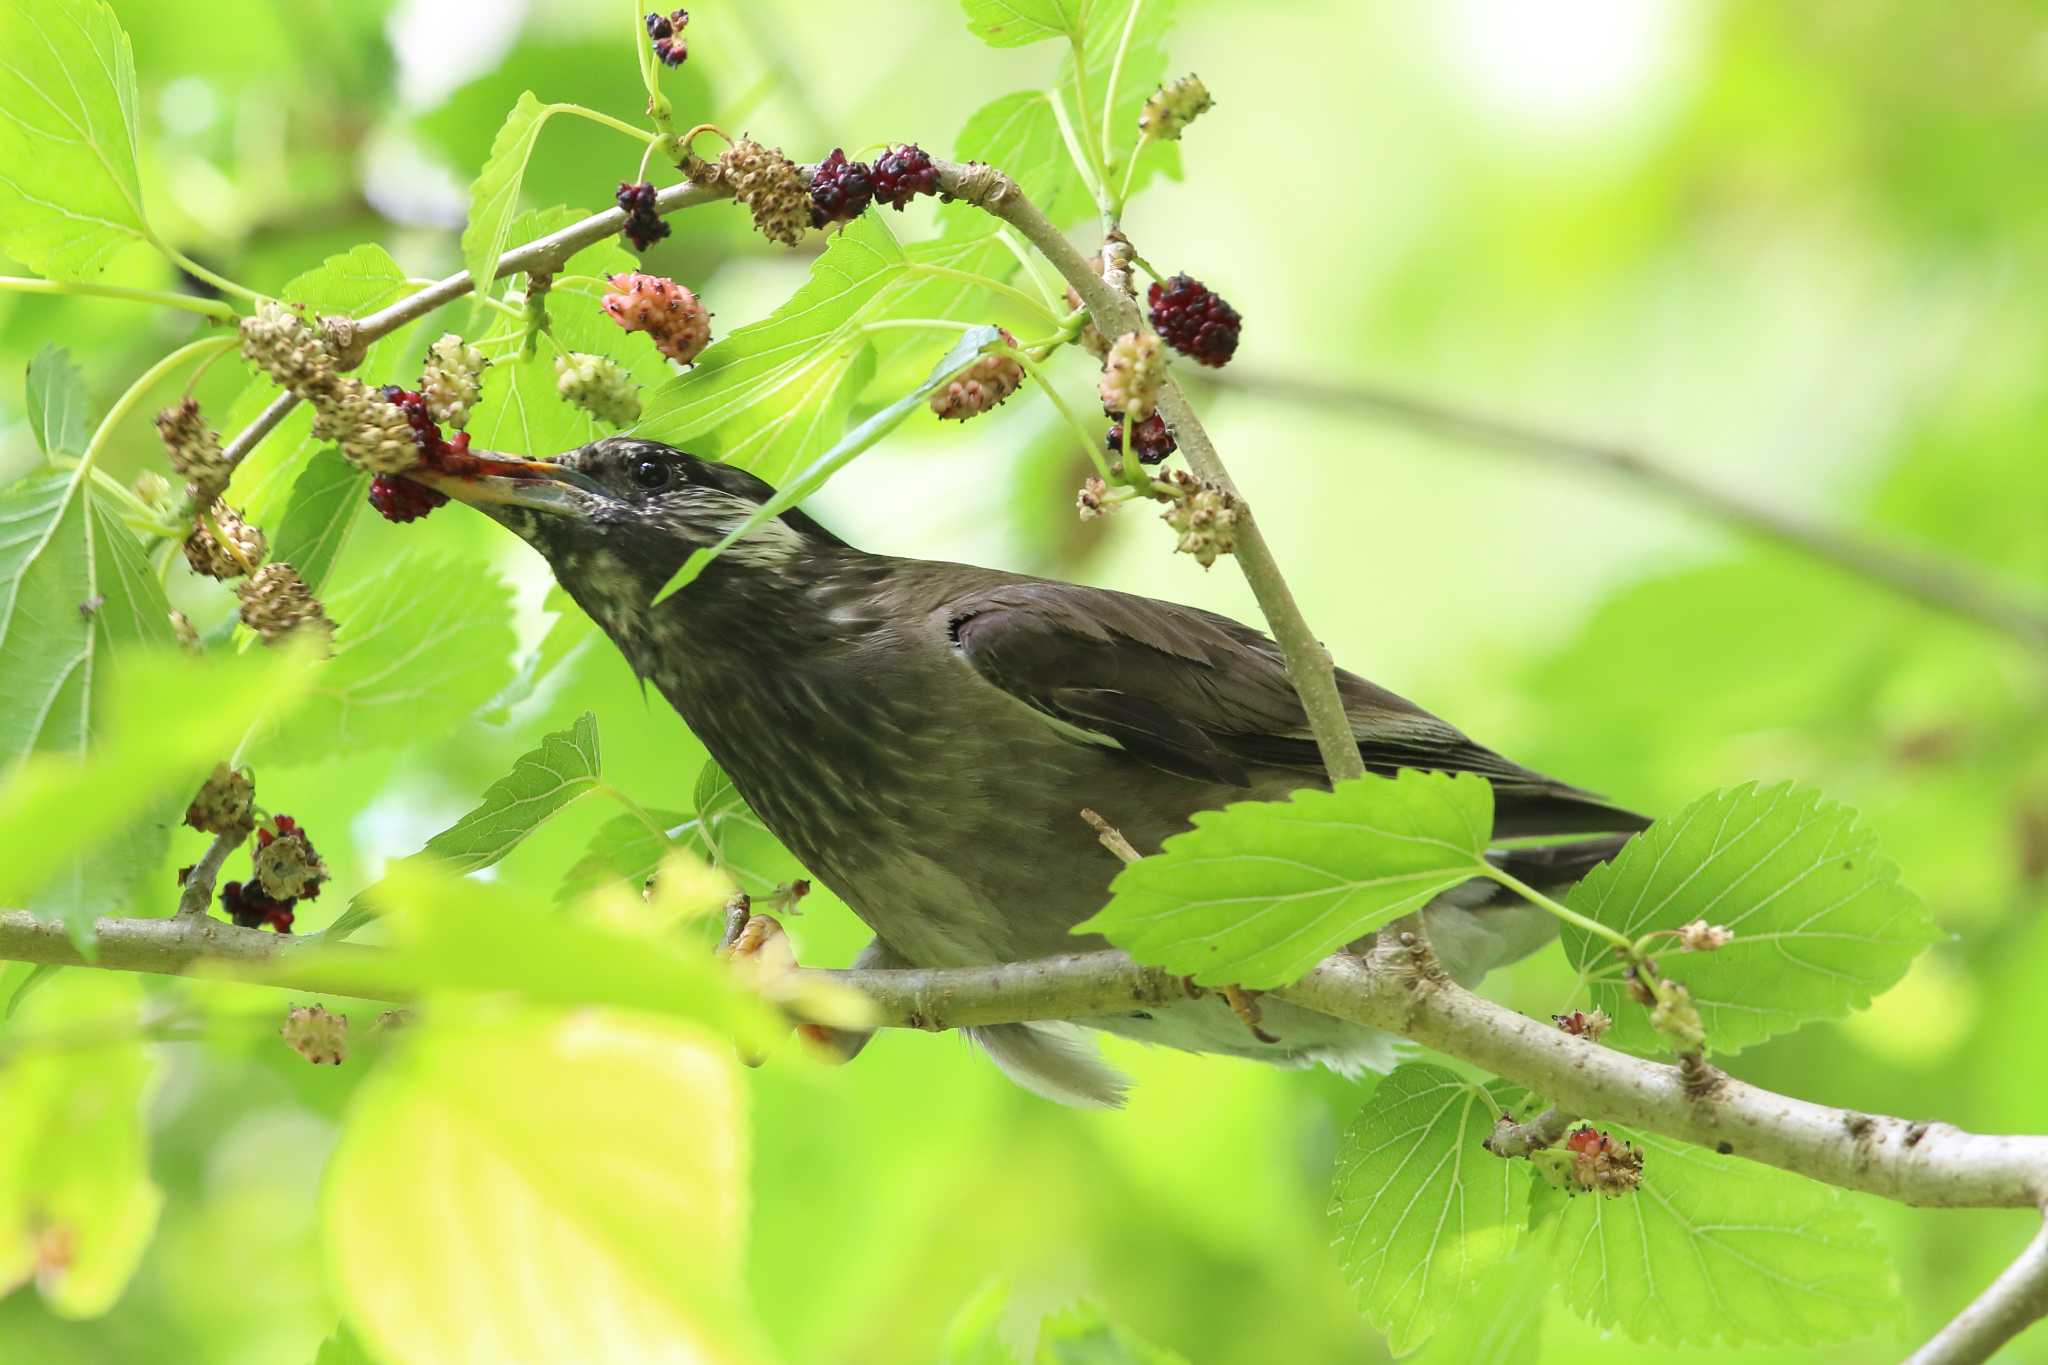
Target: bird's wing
{"x": 1200, "y": 695}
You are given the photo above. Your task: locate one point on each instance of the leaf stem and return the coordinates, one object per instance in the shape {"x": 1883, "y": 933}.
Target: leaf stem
{"x": 200, "y": 272}
{"x": 1559, "y": 909}
{"x": 636, "y": 810}
{"x": 606, "y": 120}
{"x": 163, "y": 298}
{"x": 135, "y": 393}
{"x": 1116, "y": 76}
{"x": 1090, "y": 446}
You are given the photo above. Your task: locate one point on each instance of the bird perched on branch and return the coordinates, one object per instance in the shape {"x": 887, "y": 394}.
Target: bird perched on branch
{"x": 924, "y": 736}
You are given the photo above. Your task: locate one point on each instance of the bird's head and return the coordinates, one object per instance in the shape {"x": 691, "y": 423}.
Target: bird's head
{"x": 620, "y": 515}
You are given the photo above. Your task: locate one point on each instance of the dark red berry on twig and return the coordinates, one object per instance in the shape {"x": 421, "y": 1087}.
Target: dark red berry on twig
{"x": 1153, "y": 442}
{"x": 399, "y": 499}
{"x": 644, "y": 227}
{"x": 248, "y": 907}
{"x": 1193, "y": 320}
{"x": 666, "y": 31}
{"x": 841, "y": 190}
{"x": 901, "y": 174}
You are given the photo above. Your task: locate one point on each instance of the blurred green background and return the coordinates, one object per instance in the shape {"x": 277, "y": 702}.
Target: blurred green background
{"x": 1796, "y": 250}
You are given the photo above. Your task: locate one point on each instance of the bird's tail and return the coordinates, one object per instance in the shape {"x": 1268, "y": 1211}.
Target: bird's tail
{"x": 1055, "y": 1061}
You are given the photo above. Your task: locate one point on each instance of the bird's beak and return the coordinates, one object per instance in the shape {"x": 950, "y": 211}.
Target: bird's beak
{"x": 486, "y": 479}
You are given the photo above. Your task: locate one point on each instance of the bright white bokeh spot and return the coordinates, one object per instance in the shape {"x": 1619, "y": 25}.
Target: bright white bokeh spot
{"x": 443, "y": 45}
{"x": 188, "y": 106}
{"x": 1561, "y": 64}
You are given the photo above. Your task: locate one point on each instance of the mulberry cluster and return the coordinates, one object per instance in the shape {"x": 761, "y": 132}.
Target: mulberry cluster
{"x": 371, "y": 432}
{"x": 666, "y": 32}
{"x": 278, "y": 342}
{"x": 771, "y": 186}
{"x": 315, "y": 1034}
{"x": 1131, "y": 375}
{"x": 194, "y": 450}
{"x": 287, "y": 866}
{"x": 1204, "y": 516}
{"x": 644, "y": 227}
{"x": 598, "y": 386}
{"x": 395, "y": 497}
{"x": 841, "y": 190}
{"x": 1173, "y": 107}
{"x": 276, "y": 603}
{"x": 670, "y": 314}
{"x": 1702, "y": 937}
{"x": 224, "y": 804}
{"x": 1152, "y": 441}
{"x": 1602, "y": 1165}
{"x": 900, "y": 174}
{"x": 1193, "y": 320}
{"x": 237, "y": 550}
{"x": 980, "y": 387}
{"x": 451, "y": 381}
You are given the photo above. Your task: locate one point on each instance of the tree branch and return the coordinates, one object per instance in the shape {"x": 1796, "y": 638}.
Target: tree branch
{"x": 1942, "y": 584}
{"x": 1114, "y": 313}
{"x": 2015, "y": 1301}
{"x": 543, "y": 255}
{"x": 1926, "y": 1164}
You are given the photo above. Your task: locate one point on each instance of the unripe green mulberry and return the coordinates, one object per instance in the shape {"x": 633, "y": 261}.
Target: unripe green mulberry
{"x": 224, "y": 803}
{"x": 599, "y": 386}
{"x": 979, "y": 387}
{"x": 1205, "y": 518}
{"x": 276, "y": 603}
{"x": 315, "y": 1034}
{"x": 452, "y": 380}
{"x": 278, "y": 342}
{"x": 238, "y": 550}
{"x": 1131, "y": 374}
{"x": 372, "y": 431}
{"x": 194, "y": 450}
{"x": 1173, "y": 107}
{"x": 771, "y": 187}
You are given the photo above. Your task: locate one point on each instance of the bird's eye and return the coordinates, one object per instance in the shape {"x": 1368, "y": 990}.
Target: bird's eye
{"x": 650, "y": 474}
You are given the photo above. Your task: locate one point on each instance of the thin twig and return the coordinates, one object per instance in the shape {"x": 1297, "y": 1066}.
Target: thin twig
{"x": 1111, "y": 837}
{"x": 1943, "y": 584}
{"x": 2015, "y": 1301}
{"x": 1114, "y": 313}
{"x": 197, "y": 895}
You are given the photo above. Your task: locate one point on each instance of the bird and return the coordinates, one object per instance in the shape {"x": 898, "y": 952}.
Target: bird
{"x": 923, "y": 736}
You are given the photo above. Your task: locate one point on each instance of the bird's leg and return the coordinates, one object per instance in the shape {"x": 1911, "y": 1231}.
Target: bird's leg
{"x": 759, "y": 945}
{"x": 841, "y": 1044}
{"x": 1245, "y": 1004}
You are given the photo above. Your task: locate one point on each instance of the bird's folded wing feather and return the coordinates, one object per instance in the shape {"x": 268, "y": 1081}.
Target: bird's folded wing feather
{"x": 1200, "y": 695}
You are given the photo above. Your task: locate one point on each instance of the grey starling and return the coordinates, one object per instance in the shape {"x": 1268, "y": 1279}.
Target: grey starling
{"x": 923, "y": 736}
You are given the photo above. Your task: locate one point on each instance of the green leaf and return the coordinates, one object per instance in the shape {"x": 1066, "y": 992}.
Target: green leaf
{"x": 1714, "y": 1249}
{"x": 1143, "y": 70}
{"x": 322, "y": 510}
{"x": 77, "y": 1207}
{"x": 417, "y": 649}
{"x": 1019, "y": 135}
{"x": 1082, "y": 1335}
{"x": 595, "y": 1163}
{"x": 1016, "y": 23}
{"x": 848, "y": 448}
{"x": 1423, "y": 1212}
{"x": 56, "y": 403}
{"x": 776, "y": 392}
{"x": 1821, "y": 921}
{"x": 343, "y": 1348}
{"x": 730, "y": 837}
{"x": 623, "y": 852}
{"x": 1259, "y": 892}
{"x": 1502, "y": 1317}
{"x": 494, "y": 196}
{"x": 974, "y": 1336}
{"x": 70, "y": 197}
{"x": 74, "y": 587}
{"x": 542, "y": 782}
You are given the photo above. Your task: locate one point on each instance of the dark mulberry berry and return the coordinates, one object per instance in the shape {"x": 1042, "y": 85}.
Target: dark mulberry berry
{"x": 248, "y": 907}
{"x": 644, "y": 227}
{"x": 841, "y": 190}
{"x": 399, "y": 499}
{"x": 666, "y": 31}
{"x": 1193, "y": 320}
{"x": 1154, "y": 441}
{"x": 901, "y": 174}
